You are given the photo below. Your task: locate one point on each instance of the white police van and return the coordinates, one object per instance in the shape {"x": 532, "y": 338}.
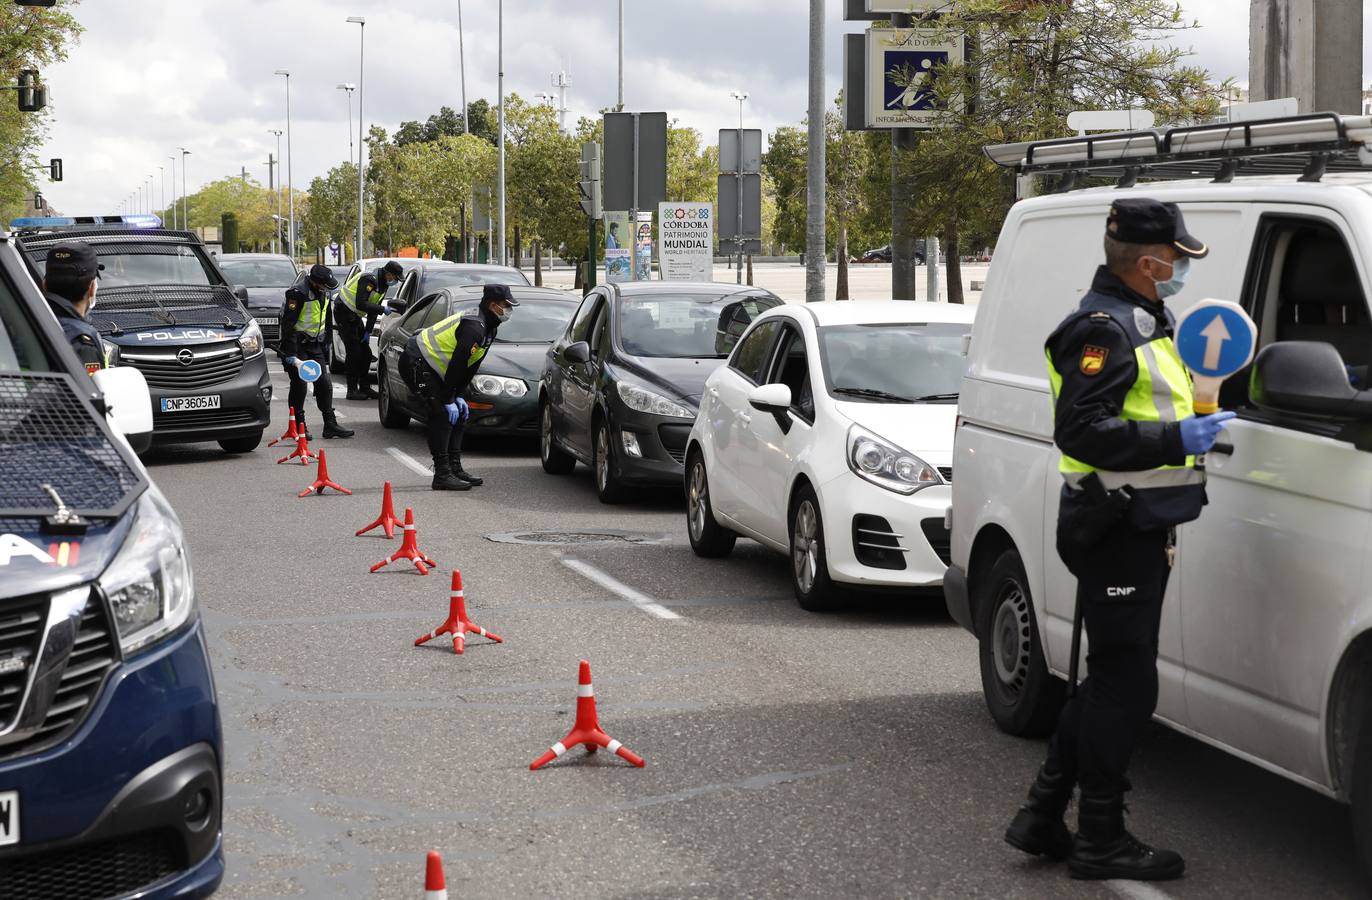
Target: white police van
{"x": 1266, "y": 640}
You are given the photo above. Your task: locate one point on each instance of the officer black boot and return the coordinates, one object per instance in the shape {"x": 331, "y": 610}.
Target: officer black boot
{"x": 331, "y": 427}
{"x": 444, "y": 479}
{"x": 455, "y": 463}
{"x": 1037, "y": 828}
{"x": 302, "y": 428}
{"x": 1104, "y": 849}
{"x": 364, "y": 387}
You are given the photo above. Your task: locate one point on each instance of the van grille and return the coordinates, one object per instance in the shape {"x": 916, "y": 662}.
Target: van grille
{"x": 202, "y": 418}
{"x": 115, "y": 868}
{"x": 21, "y": 630}
{"x": 209, "y": 365}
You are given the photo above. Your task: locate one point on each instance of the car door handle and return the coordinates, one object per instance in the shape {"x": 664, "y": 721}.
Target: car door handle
{"x": 1223, "y": 449}
{"x": 745, "y": 418}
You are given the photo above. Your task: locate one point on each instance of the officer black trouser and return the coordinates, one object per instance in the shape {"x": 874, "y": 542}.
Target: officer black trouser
{"x": 1120, "y": 589}
{"x": 358, "y": 357}
{"x": 443, "y": 438}
{"x": 310, "y": 348}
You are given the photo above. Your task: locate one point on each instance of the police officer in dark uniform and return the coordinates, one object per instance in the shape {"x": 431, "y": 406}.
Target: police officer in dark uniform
{"x": 305, "y": 335}
{"x": 1129, "y": 437}
{"x": 438, "y": 363}
{"x": 69, "y": 283}
{"x": 354, "y": 314}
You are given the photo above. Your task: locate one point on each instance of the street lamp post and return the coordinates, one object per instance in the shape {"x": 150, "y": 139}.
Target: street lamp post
{"x": 348, "y": 89}
{"x": 185, "y": 198}
{"x": 500, "y": 121}
{"x": 361, "y": 24}
{"x": 162, "y": 177}
{"x": 173, "y": 185}
{"x": 740, "y": 96}
{"x": 290, "y": 160}
{"x": 277, "y": 189}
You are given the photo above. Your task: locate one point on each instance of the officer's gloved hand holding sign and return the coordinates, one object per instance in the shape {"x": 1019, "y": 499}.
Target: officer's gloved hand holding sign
{"x": 1215, "y": 339}
{"x": 309, "y": 369}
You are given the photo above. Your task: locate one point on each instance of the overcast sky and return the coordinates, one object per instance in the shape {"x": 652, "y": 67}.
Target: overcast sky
{"x": 150, "y": 76}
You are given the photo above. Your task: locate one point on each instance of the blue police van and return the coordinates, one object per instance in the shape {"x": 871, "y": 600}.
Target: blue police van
{"x": 110, "y": 744}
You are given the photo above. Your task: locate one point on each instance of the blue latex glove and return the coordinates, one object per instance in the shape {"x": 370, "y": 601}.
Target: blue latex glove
{"x": 1199, "y": 433}
{"x": 453, "y": 413}
{"x": 462, "y": 405}
{"x": 292, "y": 361}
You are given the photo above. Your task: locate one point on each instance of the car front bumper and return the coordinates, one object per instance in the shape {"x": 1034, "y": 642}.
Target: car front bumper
{"x": 131, "y": 803}
{"x": 243, "y": 411}
{"x": 880, "y": 538}
{"x": 661, "y": 443}
{"x": 503, "y": 416}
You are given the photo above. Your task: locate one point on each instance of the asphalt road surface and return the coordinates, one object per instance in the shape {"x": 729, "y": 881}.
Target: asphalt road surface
{"x": 788, "y": 754}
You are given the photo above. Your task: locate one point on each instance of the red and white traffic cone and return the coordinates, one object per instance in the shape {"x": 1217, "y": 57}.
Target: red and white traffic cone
{"x": 409, "y": 549}
{"x": 322, "y": 479}
{"x": 290, "y": 435}
{"x": 387, "y": 520}
{"x": 435, "y": 888}
{"x": 457, "y": 624}
{"x": 586, "y": 729}
{"x": 301, "y": 452}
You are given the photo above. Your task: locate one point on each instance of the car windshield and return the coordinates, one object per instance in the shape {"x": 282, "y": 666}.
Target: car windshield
{"x": 441, "y": 277}
{"x": 680, "y": 326}
{"x": 534, "y": 322}
{"x": 906, "y": 363}
{"x": 258, "y": 273}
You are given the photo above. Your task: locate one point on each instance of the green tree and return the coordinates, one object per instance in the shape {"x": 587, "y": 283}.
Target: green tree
{"x": 783, "y": 169}
{"x": 30, "y": 38}
{"x": 249, "y": 202}
{"x": 332, "y": 212}
{"x": 1033, "y": 65}
{"x": 542, "y": 169}
{"x": 692, "y": 170}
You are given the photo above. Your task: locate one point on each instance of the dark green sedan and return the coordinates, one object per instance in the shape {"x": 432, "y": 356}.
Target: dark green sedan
{"x": 504, "y": 394}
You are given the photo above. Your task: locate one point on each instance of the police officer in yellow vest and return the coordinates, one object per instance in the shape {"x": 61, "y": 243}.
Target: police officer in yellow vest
{"x": 354, "y": 313}
{"x": 438, "y": 363}
{"x": 305, "y": 335}
{"x": 1129, "y": 440}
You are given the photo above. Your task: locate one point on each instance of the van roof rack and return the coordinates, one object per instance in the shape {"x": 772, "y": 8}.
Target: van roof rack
{"x": 1307, "y": 145}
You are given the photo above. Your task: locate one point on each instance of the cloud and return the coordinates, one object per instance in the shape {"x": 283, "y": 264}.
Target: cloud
{"x": 150, "y": 76}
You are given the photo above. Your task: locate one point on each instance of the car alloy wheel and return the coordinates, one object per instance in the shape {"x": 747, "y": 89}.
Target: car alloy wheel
{"x": 545, "y": 433}
{"x": 805, "y": 547}
{"x": 602, "y": 458}
{"x": 697, "y": 501}
{"x": 1010, "y": 639}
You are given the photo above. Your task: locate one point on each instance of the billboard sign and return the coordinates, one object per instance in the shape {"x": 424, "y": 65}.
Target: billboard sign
{"x": 686, "y": 232}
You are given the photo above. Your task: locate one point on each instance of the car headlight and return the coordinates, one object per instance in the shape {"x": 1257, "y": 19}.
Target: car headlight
{"x": 149, "y": 583}
{"x": 251, "y": 339}
{"x": 887, "y": 465}
{"x": 495, "y": 385}
{"x": 646, "y": 401}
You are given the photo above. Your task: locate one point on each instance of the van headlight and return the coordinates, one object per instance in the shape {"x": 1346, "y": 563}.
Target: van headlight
{"x": 251, "y": 339}
{"x": 149, "y": 583}
{"x": 495, "y": 385}
{"x": 646, "y": 401}
{"x": 887, "y": 465}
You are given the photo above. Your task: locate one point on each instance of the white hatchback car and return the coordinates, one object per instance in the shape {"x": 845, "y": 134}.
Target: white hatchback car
{"x": 829, "y": 437}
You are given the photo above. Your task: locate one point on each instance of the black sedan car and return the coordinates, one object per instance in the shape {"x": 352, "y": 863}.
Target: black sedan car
{"x": 622, "y": 385}
{"x": 266, "y": 276}
{"x": 504, "y": 394}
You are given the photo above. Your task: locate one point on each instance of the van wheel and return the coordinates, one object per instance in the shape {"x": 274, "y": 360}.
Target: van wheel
{"x": 1023, "y": 697}
{"x": 241, "y": 445}
{"x": 1361, "y": 797}
{"x": 814, "y": 591}
{"x": 708, "y": 538}
{"x": 392, "y": 416}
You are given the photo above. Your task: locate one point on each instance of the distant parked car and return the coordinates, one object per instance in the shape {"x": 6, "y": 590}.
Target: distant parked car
{"x": 883, "y": 254}
{"x": 266, "y": 276}
{"x": 621, "y": 387}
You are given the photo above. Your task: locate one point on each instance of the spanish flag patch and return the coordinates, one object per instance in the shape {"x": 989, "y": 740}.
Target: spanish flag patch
{"x": 1093, "y": 360}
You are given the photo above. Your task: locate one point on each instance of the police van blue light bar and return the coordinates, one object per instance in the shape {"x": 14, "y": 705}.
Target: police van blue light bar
{"x": 42, "y": 222}
{"x": 137, "y": 220}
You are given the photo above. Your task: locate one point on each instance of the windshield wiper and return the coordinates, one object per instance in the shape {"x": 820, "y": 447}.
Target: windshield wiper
{"x": 872, "y": 394}
{"x": 928, "y": 397}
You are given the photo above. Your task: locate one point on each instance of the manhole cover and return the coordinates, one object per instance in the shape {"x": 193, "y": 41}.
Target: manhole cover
{"x": 562, "y": 538}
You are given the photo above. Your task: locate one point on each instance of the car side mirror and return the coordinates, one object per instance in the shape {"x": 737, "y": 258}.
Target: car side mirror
{"x": 1306, "y": 378}
{"x": 774, "y": 399}
{"x": 397, "y": 305}
{"x": 241, "y": 292}
{"x": 580, "y": 352}
{"x": 127, "y": 404}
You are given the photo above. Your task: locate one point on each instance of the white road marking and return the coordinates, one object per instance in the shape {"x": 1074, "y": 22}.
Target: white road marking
{"x": 410, "y": 461}
{"x": 1137, "y": 890}
{"x": 615, "y": 586}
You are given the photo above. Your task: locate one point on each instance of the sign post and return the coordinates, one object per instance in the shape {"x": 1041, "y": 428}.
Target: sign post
{"x": 1215, "y": 339}
{"x": 635, "y": 166}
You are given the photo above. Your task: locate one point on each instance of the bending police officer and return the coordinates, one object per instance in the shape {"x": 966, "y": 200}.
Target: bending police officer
{"x": 438, "y": 363}
{"x": 1129, "y": 437}
{"x": 69, "y": 284}
{"x": 305, "y": 335}
{"x": 354, "y": 313}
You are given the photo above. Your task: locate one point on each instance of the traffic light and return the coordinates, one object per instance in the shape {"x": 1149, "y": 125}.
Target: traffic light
{"x": 589, "y": 185}
{"x": 32, "y": 95}
{"x": 55, "y": 169}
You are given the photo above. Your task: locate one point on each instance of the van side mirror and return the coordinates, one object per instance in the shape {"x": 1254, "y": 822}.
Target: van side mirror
{"x": 128, "y": 404}
{"x": 241, "y": 292}
{"x": 1306, "y": 378}
{"x": 580, "y": 352}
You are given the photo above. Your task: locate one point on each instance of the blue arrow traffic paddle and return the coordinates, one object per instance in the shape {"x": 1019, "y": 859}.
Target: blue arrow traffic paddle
{"x": 1215, "y": 339}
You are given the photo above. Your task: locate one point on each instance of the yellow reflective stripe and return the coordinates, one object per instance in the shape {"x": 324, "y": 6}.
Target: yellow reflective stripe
{"x": 1169, "y": 476}
{"x": 438, "y": 341}
{"x": 349, "y": 292}
{"x": 313, "y": 316}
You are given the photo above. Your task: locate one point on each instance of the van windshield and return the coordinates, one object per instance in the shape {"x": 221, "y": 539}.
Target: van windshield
{"x": 908, "y": 363}
{"x": 150, "y": 265}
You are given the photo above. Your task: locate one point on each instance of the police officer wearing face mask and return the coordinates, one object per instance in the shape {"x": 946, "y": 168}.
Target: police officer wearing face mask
{"x": 305, "y": 335}
{"x": 69, "y": 283}
{"x": 438, "y": 363}
{"x": 1129, "y": 438}
{"x": 355, "y": 312}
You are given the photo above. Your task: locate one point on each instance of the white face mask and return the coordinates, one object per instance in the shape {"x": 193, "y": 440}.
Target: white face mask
{"x": 95, "y": 289}
{"x": 503, "y": 316}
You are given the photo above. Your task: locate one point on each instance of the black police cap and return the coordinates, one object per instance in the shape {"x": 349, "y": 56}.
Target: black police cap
{"x": 1144, "y": 221}
{"x": 394, "y": 268}
{"x": 322, "y": 275}
{"x": 500, "y": 292}
{"x": 73, "y": 260}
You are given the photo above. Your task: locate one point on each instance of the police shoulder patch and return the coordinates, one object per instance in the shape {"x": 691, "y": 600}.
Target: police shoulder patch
{"x": 293, "y": 304}
{"x": 1093, "y": 359}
